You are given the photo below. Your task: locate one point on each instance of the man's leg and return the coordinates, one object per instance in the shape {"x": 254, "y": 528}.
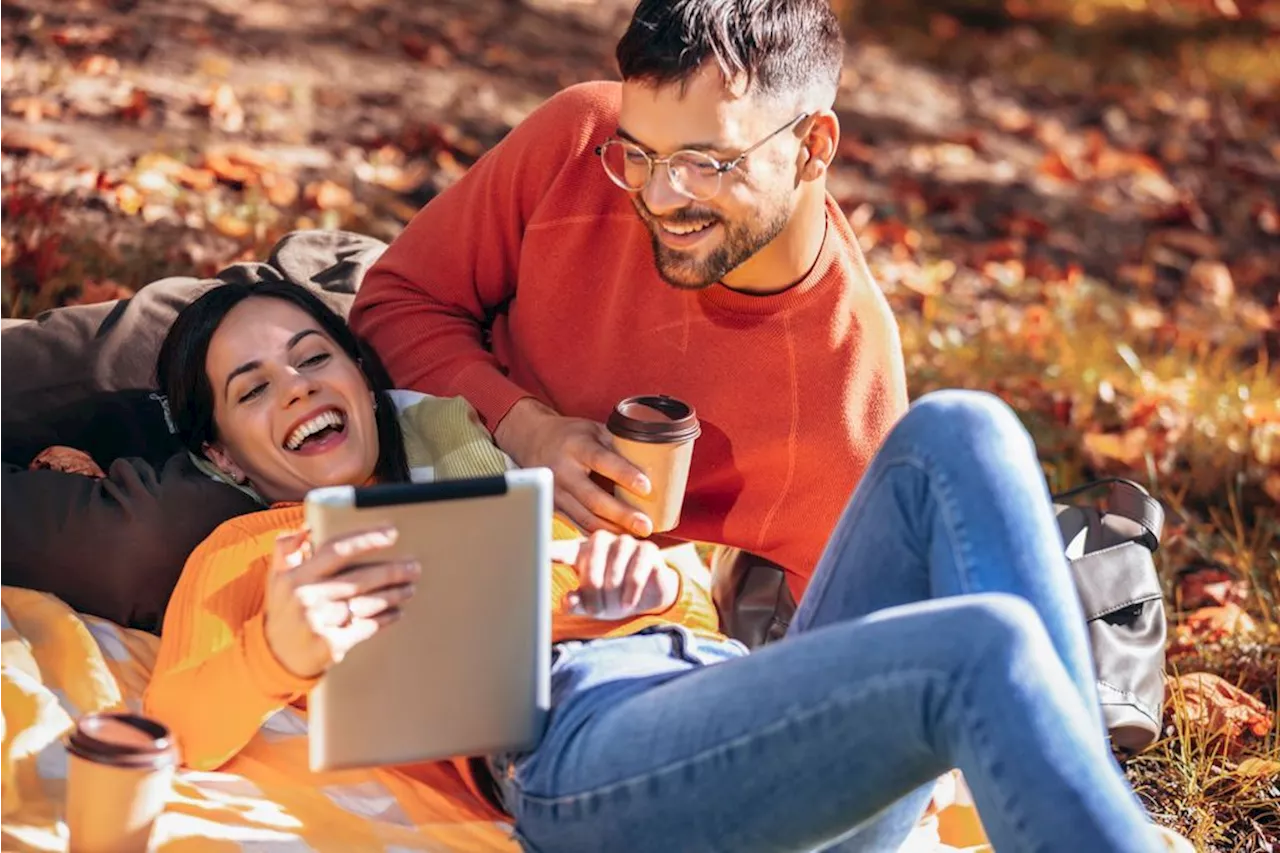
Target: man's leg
{"x": 797, "y": 744}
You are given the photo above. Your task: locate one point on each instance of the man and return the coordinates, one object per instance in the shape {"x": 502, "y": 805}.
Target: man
{"x": 671, "y": 234}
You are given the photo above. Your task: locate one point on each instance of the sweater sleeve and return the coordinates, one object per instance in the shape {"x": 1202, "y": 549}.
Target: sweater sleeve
{"x": 216, "y": 680}
{"x": 425, "y": 305}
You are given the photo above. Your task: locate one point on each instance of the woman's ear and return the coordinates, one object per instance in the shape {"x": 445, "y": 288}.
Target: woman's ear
{"x": 220, "y": 458}
{"x": 820, "y": 144}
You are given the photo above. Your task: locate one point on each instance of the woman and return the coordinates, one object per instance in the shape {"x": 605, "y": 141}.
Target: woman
{"x": 941, "y": 629}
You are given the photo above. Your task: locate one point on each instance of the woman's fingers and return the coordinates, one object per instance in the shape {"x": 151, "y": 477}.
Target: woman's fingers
{"x": 355, "y": 632}
{"x": 366, "y": 606}
{"x": 290, "y": 550}
{"x": 345, "y": 551}
{"x": 359, "y": 581}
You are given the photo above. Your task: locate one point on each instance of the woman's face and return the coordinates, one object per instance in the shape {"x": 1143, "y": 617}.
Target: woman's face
{"x": 292, "y": 410}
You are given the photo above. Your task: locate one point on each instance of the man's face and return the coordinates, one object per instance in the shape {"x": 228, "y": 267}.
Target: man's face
{"x": 695, "y": 243}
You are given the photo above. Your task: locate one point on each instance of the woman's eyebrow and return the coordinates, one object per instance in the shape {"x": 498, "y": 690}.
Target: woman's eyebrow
{"x": 250, "y": 366}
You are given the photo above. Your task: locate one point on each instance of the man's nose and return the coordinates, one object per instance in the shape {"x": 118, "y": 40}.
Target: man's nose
{"x": 660, "y": 195}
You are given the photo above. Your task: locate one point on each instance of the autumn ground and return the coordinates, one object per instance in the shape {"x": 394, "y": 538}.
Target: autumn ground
{"x": 1073, "y": 204}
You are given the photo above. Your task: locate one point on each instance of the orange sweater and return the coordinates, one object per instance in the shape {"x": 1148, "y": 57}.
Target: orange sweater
{"x": 796, "y": 390}
{"x": 216, "y": 681}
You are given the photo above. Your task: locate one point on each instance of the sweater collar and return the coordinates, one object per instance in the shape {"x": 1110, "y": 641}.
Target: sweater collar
{"x": 826, "y": 268}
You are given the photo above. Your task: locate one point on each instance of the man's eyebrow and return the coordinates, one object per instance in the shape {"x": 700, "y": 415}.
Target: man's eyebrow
{"x": 250, "y": 366}
{"x": 691, "y": 146}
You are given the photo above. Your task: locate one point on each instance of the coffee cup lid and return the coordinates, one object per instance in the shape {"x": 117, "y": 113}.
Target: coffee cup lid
{"x": 122, "y": 740}
{"x": 654, "y": 418}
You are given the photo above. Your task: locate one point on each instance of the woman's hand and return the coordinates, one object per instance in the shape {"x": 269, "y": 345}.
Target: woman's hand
{"x": 319, "y": 606}
{"x": 620, "y": 577}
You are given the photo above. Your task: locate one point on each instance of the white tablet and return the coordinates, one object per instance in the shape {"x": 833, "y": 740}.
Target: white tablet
{"x": 465, "y": 671}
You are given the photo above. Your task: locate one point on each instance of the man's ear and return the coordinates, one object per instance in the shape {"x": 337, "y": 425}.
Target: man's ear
{"x": 820, "y": 142}
{"x": 220, "y": 458}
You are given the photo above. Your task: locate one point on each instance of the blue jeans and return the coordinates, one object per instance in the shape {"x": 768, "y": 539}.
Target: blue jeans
{"x": 941, "y": 629}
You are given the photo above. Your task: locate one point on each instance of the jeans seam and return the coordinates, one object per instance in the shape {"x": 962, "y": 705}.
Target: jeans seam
{"x": 841, "y": 697}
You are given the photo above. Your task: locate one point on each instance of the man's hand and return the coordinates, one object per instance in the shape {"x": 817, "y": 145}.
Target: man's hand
{"x": 535, "y": 436}
{"x": 620, "y": 577}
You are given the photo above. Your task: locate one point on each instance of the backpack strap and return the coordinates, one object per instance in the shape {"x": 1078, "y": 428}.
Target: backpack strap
{"x": 1127, "y": 499}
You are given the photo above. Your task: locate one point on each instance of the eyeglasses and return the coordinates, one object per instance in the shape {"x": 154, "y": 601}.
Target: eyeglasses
{"x": 693, "y": 174}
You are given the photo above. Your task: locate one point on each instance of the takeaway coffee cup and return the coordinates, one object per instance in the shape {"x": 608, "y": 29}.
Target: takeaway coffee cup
{"x": 119, "y": 776}
{"x": 656, "y": 434}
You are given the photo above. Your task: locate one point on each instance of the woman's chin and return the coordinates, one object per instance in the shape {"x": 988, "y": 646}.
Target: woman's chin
{"x": 319, "y": 472}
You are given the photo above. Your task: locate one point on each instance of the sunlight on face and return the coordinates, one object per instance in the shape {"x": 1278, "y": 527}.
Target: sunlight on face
{"x": 292, "y": 410}
{"x": 696, "y": 243}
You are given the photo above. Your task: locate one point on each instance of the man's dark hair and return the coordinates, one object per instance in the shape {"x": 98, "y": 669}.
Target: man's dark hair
{"x": 779, "y": 46}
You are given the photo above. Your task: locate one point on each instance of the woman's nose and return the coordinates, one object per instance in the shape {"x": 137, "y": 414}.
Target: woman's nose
{"x": 298, "y": 387}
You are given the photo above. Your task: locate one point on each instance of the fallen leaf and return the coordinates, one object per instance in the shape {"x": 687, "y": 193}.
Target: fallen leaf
{"x": 232, "y": 226}
{"x": 135, "y": 106}
{"x": 282, "y": 191}
{"x": 224, "y": 108}
{"x": 1211, "y": 624}
{"x": 943, "y": 27}
{"x": 1271, "y": 485}
{"x": 34, "y": 109}
{"x": 1211, "y": 281}
{"x": 1268, "y": 218}
{"x": 1054, "y": 165}
{"x": 1215, "y": 706}
{"x": 22, "y": 142}
{"x": 98, "y": 65}
{"x": 1127, "y": 448}
{"x": 1260, "y": 768}
{"x": 128, "y": 199}
{"x": 326, "y": 195}
{"x": 68, "y": 460}
{"x": 1192, "y": 243}
{"x": 1208, "y": 586}
{"x": 80, "y": 35}
{"x": 92, "y": 292}
{"x": 229, "y": 170}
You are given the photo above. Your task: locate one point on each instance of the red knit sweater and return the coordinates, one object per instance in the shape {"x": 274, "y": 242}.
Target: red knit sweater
{"x": 795, "y": 390}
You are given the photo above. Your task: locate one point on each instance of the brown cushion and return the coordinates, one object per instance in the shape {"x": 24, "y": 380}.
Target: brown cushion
{"x": 112, "y": 547}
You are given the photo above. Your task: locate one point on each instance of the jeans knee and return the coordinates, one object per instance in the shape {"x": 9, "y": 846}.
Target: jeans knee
{"x": 958, "y": 421}
{"x": 1001, "y": 626}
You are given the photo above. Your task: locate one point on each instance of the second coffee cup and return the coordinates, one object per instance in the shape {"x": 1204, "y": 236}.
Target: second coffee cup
{"x": 119, "y": 777}
{"x": 656, "y": 434}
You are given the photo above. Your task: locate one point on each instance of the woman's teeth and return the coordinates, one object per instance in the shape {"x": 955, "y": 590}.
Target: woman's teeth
{"x": 310, "y": 427}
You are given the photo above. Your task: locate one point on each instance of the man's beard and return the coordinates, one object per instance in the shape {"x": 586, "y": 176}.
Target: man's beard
{"x": 737, "y": 243}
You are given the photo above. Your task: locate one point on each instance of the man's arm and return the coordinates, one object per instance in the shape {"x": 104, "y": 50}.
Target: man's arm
{"x": 425, "y": 305}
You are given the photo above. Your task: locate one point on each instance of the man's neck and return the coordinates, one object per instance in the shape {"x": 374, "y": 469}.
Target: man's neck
{"x": 789, "y": 257}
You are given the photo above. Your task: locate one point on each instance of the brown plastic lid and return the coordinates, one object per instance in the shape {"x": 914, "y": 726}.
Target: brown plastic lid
{"x": 654, "y": 418}
{"x": 122, "y": 740}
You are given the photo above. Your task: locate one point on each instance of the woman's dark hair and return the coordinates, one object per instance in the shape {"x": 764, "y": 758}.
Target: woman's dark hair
{"x": 781, "y": 46}
{"x": 184, "y": 380}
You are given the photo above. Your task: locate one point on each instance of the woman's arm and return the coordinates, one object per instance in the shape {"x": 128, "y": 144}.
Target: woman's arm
{"x": 216, "y": 680}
